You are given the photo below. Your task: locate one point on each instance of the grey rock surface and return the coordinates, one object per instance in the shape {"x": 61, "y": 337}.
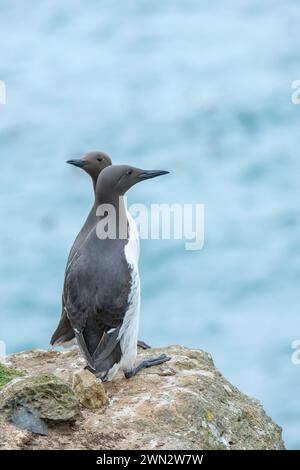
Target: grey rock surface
{"x": 183, "y": 404}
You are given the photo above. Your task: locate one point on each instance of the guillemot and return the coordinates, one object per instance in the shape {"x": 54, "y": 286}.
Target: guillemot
{"x": 102, "y": 284}
{"x": 92, "y": 163}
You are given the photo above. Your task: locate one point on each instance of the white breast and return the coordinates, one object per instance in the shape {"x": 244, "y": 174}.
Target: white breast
{"x": 129, "y": 330}
{"x": 132, "y": 250}
{"x": 128, "y": 335}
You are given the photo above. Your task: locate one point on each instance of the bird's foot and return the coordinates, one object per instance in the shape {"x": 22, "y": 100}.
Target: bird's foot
{"x": 104, "y": 377}
{"x": 143, "y": 345}
{"x": 154, "y": 361}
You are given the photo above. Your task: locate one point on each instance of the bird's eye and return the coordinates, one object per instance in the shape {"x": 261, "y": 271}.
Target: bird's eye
{"x": 99, "y": 159}
{"x": 129, "y": 172}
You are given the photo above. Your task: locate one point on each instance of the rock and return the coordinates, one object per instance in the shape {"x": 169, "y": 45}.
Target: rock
{"x": 89, "y": 390}
{"x": 52, "y": 398}
{"x": 13, "y": 438}
{"x": 29, "y": 419}
{"x": 183, "y": 404}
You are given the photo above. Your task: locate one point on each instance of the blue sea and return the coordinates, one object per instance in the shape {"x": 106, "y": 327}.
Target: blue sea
{"x": 202, "y": 89}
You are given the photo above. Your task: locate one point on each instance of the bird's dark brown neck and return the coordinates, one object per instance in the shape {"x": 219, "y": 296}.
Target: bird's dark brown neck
{"x": 94, "y": 179}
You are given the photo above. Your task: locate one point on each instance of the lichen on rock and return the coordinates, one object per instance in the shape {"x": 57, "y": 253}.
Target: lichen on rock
{"x": 183, "y": 404}
{"x": 89, "y": 390}
{"x": 51, "y": 397}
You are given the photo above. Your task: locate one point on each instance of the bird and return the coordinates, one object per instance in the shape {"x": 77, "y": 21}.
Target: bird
{"x": 102, "y": 284}
{"x": 92, "y": 163}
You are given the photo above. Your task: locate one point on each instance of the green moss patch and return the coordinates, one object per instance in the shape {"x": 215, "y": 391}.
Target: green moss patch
{"x": 7, "y": 374}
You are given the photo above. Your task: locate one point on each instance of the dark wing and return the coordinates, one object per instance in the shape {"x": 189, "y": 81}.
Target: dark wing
{"x": 64, "y": 331}
{"x": 94, "y": 317}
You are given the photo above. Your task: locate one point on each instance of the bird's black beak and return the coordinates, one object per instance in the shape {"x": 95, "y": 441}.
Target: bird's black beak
{"x": 80, "y": 163}
{"x": 146, "y": 175}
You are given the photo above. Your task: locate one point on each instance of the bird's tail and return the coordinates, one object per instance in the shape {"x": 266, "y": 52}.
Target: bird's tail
{"x": 64, "y": 332}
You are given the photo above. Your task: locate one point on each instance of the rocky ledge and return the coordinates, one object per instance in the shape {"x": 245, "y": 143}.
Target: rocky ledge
{"x": 183, "y": 404}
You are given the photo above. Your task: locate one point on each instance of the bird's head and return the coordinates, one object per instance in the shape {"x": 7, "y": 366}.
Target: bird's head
{"x": 93, "y": 163}
{"x": 118, "y": 179}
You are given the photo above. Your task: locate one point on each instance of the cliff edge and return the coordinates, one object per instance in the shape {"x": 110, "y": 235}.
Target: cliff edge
{"x": 183, "y": 404}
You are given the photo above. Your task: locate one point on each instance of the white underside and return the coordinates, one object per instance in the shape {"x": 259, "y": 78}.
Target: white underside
{"x": 132, "y": 250}
{"x": 128, "y": 335}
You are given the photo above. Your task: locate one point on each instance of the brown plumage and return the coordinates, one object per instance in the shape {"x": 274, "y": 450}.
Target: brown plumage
{"x": 92, "y": 163}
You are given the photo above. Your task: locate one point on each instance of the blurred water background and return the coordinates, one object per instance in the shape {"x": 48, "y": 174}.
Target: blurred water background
{"x": 202, "y": 89}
